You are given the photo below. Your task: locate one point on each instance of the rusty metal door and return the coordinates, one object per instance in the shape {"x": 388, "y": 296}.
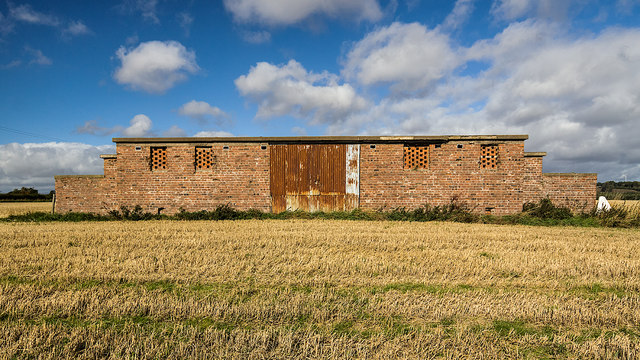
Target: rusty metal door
{"x": 314, "y": 177}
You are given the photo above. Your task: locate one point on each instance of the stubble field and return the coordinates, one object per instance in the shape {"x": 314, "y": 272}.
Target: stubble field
{"x": 314, "y": 288}
{"x": 17, "y": 208}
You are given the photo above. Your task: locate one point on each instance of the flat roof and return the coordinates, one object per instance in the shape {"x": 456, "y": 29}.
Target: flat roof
{"x": 535, "y": 154}
{"x": 324, "y": 139}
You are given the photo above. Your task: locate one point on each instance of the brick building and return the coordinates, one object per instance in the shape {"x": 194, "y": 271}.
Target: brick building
{"x": 491, "y": 174}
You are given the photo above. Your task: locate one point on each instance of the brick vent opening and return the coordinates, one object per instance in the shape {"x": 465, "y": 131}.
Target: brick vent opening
{"x": 416, "y": 157}
{"x": 489, "y": 158}
{"x": 158, "y": 158}
{"x": 204, "y": 158}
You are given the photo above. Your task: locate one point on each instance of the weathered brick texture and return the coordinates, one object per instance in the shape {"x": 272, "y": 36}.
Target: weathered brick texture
{"x": 239, "y": 176}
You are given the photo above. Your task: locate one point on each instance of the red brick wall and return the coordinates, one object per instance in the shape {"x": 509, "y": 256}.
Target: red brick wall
{"x": 576, "y": 191}
{"x": 453, "y": 173}
{"x": 532, "y": 186}
{"x": 81, "y": 193}
{"x": 239, "y": 177}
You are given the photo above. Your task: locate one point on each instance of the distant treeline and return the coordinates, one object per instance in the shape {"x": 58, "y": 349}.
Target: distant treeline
{"x": 25, "y": 194}
{"x": 623, "y": 190}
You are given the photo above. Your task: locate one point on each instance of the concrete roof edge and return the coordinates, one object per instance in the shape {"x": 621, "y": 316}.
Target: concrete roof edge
{"x": 535, "y": 154}
{"x": 109, "y": 156}
{"x": 324, "y": 139}
{"x": 570, "y": 174}
{"x": 77, "y": 176}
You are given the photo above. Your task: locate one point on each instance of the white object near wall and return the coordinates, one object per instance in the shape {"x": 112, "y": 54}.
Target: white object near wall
{"x": 603, "y": 204}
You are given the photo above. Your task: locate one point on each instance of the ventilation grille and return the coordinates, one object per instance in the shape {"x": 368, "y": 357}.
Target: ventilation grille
{"x": 489, "y": 158}
{"x": 204, "y": 158}
{"x": 416, "y": 157}
{"x": 158, "y": 158}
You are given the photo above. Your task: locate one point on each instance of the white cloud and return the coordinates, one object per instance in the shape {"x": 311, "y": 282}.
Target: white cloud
{"x": 256, "y": 37}
{"x": 154, "y": 66}
{"x": 287, "y": 12}
{"x": 37, "y": 57}
{"x": 409, "y": 56}
{"x": 26, "y": 14}
{"x": 174, "y": 131}
{"x": 76, "y": 28}
{"x": 460, "y": 13}
{"x": 139, "y": 126}
{"x": 290, "y": 90}
{"x": 35, "y": 164}
{"x": 202, "y": 111}
{"x": 213, "y": 134}
{"x": 578, "y": 97}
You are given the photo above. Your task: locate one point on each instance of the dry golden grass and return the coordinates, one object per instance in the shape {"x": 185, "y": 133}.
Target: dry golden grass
{"x": 633, "y": 206}
{"x": 18, "y": 208}
{"x": 308, "y": 289}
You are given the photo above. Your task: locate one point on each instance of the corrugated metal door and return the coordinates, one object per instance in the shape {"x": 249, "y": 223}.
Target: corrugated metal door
{"x": 315, "y": 177}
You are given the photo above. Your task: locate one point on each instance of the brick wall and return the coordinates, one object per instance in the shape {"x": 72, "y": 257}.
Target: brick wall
{"x": 239, "y": 176}
{"x": 576, "y": 191}
{"x": 81, "y": 193}
{"x": 453, "y": 173}
{"x": 532, "y": 185}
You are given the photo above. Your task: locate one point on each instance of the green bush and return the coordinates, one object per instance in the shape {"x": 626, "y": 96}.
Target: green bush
{"x": 545, "y": 209}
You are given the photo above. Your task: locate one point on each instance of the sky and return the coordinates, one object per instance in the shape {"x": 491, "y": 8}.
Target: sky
{"x": 75, "y": 74}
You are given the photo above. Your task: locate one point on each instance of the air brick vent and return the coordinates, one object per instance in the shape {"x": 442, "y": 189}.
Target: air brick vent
{"x": 489, "y": 158}
{"x": 158, "y": 158}
{"x": 204, "y": 158}
{"x": 416, "y": 157}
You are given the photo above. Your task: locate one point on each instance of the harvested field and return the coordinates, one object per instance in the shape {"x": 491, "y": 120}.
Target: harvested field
{"x": 633, "y": 206}
{"x": 17, "y": 208}
{"x": 313, "y": 288}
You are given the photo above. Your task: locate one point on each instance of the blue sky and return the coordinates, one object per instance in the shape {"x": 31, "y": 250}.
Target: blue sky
{"x": 74, "y": 74}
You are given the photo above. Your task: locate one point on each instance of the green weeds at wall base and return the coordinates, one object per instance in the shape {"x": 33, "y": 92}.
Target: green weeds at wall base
{"x": 543, "y": 213}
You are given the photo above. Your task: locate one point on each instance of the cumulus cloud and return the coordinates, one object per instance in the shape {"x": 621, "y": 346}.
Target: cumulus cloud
{"x": 213, "y": 134}
{"x": 202, "y": 111}
{"x": 139, "y": 126}
{"x": 35, "y": 164}
{"x": 154, "y": 66}
{"x": 287, "y": 12}
{"x": 408, "y": 56}
{"x": 578, "y": 97}
{"x": 290, "y": 90}
{"x": 25, "y": 13}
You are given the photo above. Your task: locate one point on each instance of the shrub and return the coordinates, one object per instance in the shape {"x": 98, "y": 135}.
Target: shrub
{"x": 545, "y": 209}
